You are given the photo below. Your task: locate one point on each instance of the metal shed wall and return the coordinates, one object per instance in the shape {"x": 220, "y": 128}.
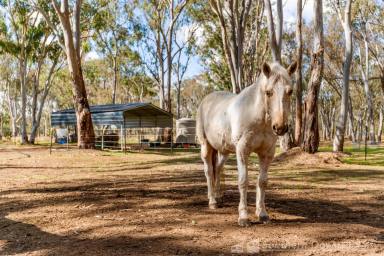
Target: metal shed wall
{"x": 147, "y": 121}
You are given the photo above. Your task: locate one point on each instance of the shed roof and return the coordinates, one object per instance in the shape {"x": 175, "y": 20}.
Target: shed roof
{"x": 109, "y": 114}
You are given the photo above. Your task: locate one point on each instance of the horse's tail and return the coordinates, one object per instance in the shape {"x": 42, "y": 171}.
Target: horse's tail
{"x": 214, "y": 163}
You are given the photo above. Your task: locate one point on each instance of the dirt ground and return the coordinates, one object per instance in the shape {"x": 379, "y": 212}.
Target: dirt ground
{"x": 104, "y": 203}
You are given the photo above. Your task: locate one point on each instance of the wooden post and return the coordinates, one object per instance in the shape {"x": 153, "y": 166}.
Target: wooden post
{"x": 50, "y": 147}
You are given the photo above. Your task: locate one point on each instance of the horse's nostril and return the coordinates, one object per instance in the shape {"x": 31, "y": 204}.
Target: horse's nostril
{"x": 274, "y": 127}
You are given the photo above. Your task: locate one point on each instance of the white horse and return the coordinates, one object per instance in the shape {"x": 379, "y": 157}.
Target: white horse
{"x": 244, "y": 123}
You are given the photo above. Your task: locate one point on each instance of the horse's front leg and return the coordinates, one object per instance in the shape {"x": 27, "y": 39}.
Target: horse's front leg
{"x": 242, "y": 155}
{"x": 265, "y": 160}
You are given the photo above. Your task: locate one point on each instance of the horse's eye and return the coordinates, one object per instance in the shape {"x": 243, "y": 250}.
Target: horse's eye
{"x": 289, "y": 92}
{"x": 269, "y": 93}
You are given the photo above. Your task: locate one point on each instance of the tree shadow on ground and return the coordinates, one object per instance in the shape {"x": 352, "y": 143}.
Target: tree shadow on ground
{"x": 186, "y": 192}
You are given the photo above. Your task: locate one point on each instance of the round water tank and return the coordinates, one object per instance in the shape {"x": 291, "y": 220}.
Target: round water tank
{"x": 186, "y": 131}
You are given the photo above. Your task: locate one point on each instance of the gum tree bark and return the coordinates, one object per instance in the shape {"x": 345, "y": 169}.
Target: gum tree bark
{"x": 299, "y": 75}
{"x": 338, "y": 142}
{"x": 311, "y": 130}
{"x": 72, "y": 47}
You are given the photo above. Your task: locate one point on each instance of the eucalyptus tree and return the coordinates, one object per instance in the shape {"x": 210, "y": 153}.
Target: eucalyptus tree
{"x": 232, "y": 17}
{"x": 21, "y": 33}
{"x": 70, "y": 34}
{"x": 299, "y": 73}
{"x": 10, "y": 88}
{"x": 364, "y": 65}
{"x": 275, "y": 30}
{"x": 159, "y": 20}
{"x": 115, "y": 33}
{"x": 48, "y": 60}
{"x": 338, "y": 143}
{"x": 311, "y": 138}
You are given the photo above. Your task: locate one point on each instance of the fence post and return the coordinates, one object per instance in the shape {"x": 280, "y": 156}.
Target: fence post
{"x": 365, "y": 142}
{"x": 125, "y": 140}
{"x": 121, "y": 138}
{"x": 50, "y": 147}
{"x": 102, "y": 138}
{"x": 67, "y": 138}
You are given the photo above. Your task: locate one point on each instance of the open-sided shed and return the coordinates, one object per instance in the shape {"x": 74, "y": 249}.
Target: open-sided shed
{"x": 122, "y": 125}
{"x": 130, "y": 115}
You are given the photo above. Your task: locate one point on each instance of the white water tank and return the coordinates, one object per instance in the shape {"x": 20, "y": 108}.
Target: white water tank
{"x": 186, "y": 131}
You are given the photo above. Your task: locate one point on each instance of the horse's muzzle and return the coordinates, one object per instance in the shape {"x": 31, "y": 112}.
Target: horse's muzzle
{"x": 280, "y": 130}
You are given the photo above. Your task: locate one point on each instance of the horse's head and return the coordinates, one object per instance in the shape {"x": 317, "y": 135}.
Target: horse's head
{"x": 277, "y": 89}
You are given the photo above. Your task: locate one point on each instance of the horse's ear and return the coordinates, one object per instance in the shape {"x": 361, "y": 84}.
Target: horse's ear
{"x": 292, "y": 68}
{"x": 266, "y": 69}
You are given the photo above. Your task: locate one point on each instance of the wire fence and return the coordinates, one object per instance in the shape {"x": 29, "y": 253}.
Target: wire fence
{"x": 132, "y": 139}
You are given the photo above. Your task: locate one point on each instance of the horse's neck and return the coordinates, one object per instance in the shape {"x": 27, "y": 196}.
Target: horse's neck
{"x": 253, "y": 98}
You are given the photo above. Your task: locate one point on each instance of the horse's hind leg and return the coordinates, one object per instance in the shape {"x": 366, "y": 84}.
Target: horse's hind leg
{"x": 221, "y": 159}
{"x": 206, "y": 156}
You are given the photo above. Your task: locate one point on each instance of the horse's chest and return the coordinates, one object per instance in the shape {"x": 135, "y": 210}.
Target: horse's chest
{"x": 262, "y": 141}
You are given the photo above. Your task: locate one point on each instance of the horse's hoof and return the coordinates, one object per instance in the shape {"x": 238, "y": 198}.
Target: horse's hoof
{"x": 264, "y": 219}
{"x": 243, "y": 222}
{"x": 213, "y": 206}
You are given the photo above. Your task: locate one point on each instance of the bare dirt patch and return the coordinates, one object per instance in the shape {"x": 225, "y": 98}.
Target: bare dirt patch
{"x": 296, "y": 156}
{"x": 100, "y": 203}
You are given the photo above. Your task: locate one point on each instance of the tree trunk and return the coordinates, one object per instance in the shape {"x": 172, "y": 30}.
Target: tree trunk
{"x": 23, "y": 94}
{"x": 338, "y": 143}
{"x": 275, "y": 36}
{"x": 37, "y": 116}
{"x": 311, "y": 134}
{"x": 380, "y": 128}
{"x": 159, "y": 52}
{"x": 1, "y": 126}
{"x": 299, "y": 78}
{"x": 115, "y": 70}
{"x": 367, "y": 89}
{"x": 72, "y": 41}
{"x": 178, "y": 101}
{"x": 351, "y": 118}
{"x": 233, "y": 21}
